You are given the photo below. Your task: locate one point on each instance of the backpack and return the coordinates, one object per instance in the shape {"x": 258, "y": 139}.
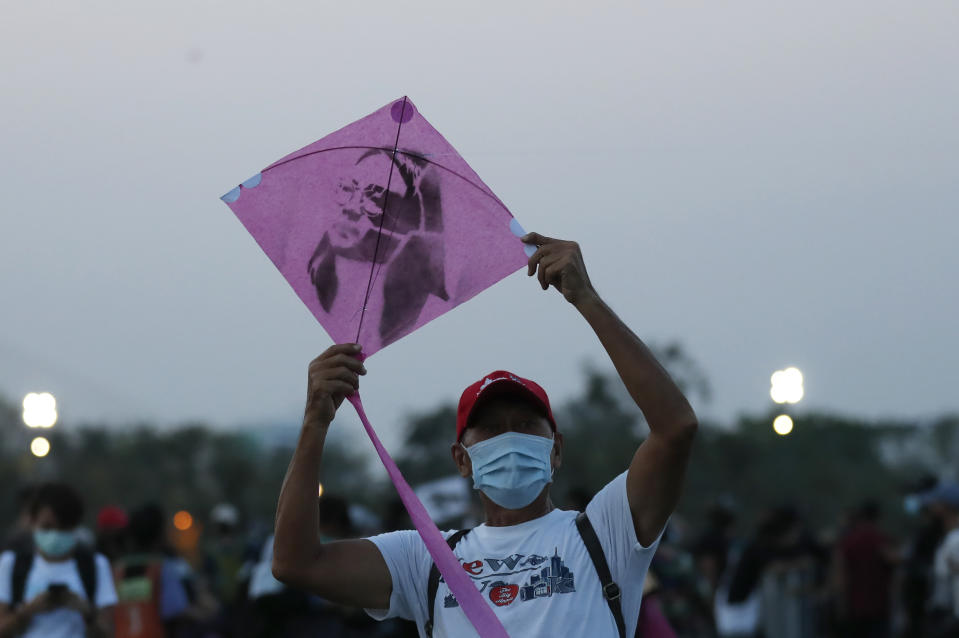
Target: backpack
{"x": 138, "y": 581}
{"x": 610, "y": 589}
{"x": 23, "y": 563}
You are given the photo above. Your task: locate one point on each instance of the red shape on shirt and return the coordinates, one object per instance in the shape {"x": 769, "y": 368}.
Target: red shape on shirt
{"x": 503, "y": 595}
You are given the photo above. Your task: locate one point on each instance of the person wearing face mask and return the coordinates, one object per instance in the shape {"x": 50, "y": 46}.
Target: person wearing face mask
{"x": 59, "y": 590}
{"x": 542, "y": 570}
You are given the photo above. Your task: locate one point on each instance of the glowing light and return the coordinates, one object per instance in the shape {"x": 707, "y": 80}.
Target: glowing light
{"x": 319, "y": 491}
{"x": 40, "y": 447}
{"x": 39, "y": 410}
{"x": 783, "y": 425}
{"x": 182, "y": 520}
{"x": 786, "y": 386}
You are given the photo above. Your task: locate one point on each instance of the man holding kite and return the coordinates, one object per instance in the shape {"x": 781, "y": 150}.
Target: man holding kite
{"x": 544, "y": 571}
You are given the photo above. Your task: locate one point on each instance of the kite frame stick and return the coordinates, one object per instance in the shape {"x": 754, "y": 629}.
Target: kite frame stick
{"x": 379, "y": 230}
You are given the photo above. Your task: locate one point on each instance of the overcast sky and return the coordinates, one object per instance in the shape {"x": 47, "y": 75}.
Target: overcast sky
{"x": 770, "y": 183}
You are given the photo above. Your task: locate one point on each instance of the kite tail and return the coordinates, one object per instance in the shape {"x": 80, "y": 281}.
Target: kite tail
{"x": 468, "y": 597}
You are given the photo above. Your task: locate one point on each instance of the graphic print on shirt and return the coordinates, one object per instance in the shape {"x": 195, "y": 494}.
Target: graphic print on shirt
{"x": 554, "y": 578}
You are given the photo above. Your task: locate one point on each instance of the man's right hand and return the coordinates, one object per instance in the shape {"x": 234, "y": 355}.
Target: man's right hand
{"x": 333, "y": 376}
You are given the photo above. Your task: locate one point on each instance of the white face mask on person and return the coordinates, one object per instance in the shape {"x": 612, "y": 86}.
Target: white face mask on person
{"x": 512, "y": 468}
{"x": 55, "y": 543}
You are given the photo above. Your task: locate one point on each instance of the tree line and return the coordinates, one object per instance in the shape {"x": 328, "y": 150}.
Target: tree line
{"x": 827, "y": 465}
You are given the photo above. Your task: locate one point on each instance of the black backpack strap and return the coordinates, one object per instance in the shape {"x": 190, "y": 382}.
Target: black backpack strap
{"x": 434, "y": 582}
{"x": 610, "y": 589}
{"x": 22, "y": 563}
{"x": 86, "y": 565}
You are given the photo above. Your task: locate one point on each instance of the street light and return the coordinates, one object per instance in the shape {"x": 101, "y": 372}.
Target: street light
{"x": 786, "y": 386}
{"x": 182, "y": 520}
{"x": 39, "y": 410}
{"x": 783, "y": 424}
{"x": 40, "y": 447}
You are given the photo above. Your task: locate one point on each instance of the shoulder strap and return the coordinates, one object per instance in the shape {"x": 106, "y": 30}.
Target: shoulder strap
{"x": 610, "y": 589}
{"x": 86, "y": 565}
{"x": 22, "y": 563}
{"x": 434, "y": 582}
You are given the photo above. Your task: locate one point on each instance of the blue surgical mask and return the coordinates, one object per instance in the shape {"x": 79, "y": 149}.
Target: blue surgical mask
{"x": 54, "y": 543}
{"x": 512, "y": 468}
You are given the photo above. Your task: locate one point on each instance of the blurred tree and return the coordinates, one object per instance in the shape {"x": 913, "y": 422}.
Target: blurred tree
{"x": 425, "y": 454}
{"x": 825, "y": 466}
{"x": 600, "y": 432}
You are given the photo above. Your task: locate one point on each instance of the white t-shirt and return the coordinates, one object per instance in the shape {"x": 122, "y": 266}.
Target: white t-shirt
{"x": 945, "y": 567}
{"x": 262, "y": 582}
{"x": 59, "y": 623}
{"x": 536, "y": 576}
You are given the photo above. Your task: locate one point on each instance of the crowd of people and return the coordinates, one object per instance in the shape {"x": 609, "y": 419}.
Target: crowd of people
{"x": 123, "y": 578}
{"x": 785, "y": 581}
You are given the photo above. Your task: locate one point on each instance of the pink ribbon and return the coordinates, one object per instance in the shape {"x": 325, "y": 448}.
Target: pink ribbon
{"x": 468, "y": 597}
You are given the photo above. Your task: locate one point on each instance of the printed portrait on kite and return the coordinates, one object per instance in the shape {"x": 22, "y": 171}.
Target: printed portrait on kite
{"x": 393, "y": 220}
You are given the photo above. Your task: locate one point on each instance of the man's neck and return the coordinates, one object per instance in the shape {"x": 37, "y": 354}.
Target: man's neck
{"x": 497, "y": 516}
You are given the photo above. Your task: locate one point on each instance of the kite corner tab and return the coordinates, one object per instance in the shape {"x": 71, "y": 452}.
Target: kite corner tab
{"x": 235, "y": 193}
{"x": 231, "y": 196}
{"x": 253, "y": 182}
{"x": 517, "y": 229}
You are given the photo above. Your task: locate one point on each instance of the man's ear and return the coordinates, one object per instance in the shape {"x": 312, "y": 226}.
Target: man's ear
{"x": 462, "y": 460}
{"x": 556, "y": 456}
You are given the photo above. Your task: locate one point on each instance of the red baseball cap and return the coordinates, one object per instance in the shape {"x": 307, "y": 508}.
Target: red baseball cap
{"x": 499, "y": 383}
{"x": 111, "y": 517}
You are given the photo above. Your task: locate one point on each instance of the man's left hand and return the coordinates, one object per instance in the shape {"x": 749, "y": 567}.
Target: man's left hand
{"x": 77, "y": 603}
{"x": 560, "y": 264}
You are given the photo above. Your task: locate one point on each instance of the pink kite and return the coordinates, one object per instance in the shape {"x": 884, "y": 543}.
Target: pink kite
{"x": 380, "y": 228}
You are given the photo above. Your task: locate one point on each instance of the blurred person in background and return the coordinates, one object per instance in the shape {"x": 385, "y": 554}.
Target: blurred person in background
{"x": 678, "y": 589}
{"x": 58, "y": 590}
{"x": 865, "y": 558}
{"x": 20, "y": 536}
{"x": 652, "y": 621}
{"x": 737, "y": 603}
{"x": 792, "y": 578}
{"x": 943, "y": 501}
{"x": 153, "y": 600}
{"x": 278, "y": 611}
{"x": 111, "y": 532}
{"x": 916, "y": 586}
{"x": 773, "y": 589}
{"x": 224, "y": 551}
{"x": 711, "y": 550}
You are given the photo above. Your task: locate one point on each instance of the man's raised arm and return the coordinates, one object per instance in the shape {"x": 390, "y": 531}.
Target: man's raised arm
{"x": 655, "y": 479}
{"x": 350, "y": 572}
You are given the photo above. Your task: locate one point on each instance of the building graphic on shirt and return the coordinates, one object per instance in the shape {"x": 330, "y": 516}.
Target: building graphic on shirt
{"x": 555, "y": 578}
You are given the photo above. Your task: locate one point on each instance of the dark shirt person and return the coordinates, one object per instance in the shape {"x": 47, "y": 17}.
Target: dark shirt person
{"x": 629, "y": 513}
{"x": 866, "y": 559}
